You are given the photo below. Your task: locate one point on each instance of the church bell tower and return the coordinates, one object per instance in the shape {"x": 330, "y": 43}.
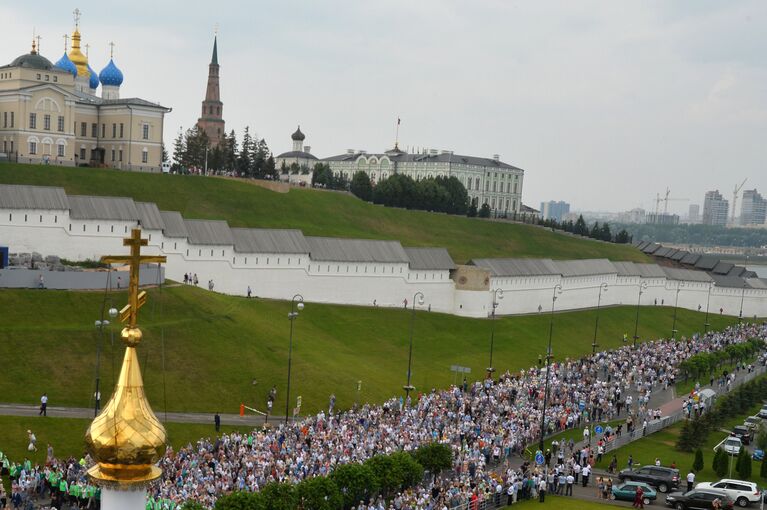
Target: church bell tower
{"x": 212, "y": 121}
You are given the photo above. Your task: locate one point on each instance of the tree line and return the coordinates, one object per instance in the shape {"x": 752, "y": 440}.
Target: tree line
{"x": 596, "y": 231}
{"x": 346, "y": 485}
{"x": 705, "y": 235}
{"x": 193, "y": 152}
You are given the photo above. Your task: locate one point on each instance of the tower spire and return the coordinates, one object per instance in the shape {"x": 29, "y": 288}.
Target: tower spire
{"x": 211, "y": 121}
{"x": 214, "y": 58}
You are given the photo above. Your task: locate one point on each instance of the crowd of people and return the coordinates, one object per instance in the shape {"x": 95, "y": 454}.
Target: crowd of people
{"x": 485, "y": 423}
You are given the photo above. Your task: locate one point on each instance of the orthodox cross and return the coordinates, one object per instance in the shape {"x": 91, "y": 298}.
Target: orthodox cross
{"x": 87, "y": 49}
{"x": 136, "y": 299}
{"x": 76, "y": 14}
{"x": 66, "y": 40}
{"x": 111, "y": 49}
{"x": 215, "y": 28}
{"x": 38, "y": 42}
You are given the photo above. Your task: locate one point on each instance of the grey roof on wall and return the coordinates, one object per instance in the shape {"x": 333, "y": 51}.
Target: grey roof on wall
{"x": 757, "y": 283}
{"x": 260, "y": 240}
{"x": 662, "y": 251}
{"x": 729, "y": 281}
{"x": 517, "y": 267}
{"x": 149, "y": 216}
{"x": 16, "y": 196}
{"x": 640, "y": 244}
{"x": 651, "y": 248}
{"x": 83, "y": 207}
{"x": 679, "y": 255}
{"x": 429, "y": 258}
{"x": 586, "y": 267}
{"x": 403, "y": 157}
{"x": 690, "y": 258}
{"x": 643, "y": 270}
{"x": 209, "y": 232}
{"x": 355, "y": 250}
{"x": 673, "y": 273}
{"x": 707, "y": 262}
{"x": 723, "y": 267}
{"x": 173, "y": 224}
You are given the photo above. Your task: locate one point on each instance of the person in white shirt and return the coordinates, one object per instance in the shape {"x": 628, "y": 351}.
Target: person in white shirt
{"x": 690, "y": 480}
{"x": 570, "y": 481}
{"x": 585, "y": 472}
{"x": 43, "y": 405}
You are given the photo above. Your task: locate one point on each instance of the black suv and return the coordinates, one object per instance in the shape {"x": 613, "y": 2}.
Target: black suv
{"x": 743, "y": 433}
{"x": 698, "y": 499}
{"x": 664, "y": 478}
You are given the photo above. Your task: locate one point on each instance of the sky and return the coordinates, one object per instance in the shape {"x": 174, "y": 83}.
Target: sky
{"x": 603, "y": 103}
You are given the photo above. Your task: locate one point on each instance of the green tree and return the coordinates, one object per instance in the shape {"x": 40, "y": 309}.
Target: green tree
{"x": 458, "y": 197}
{"x": 356, "y": 482}
{"x": 279, "y": 496}
{"x": 179, "y": 150}
{"x": 388, "y": 473}
{"x": 580, "y": 227}
{"x": 434, "y": 457}
{"x": 697, "y": 464}
{"x": 622, "y": 237}
{"x": 604, "y": 233}
{"x": 235, "y": 501}
{"x": 471, "y": 212}
{"x": 743, "y": 466}
{"x": 361, "y": 186}
{"x": 412, "y": 471}
{"x": 720, "y": 462}
{"x": 245, "y": 157}
{"x": 319, "y": 493}
{"x": 484, "y": 211}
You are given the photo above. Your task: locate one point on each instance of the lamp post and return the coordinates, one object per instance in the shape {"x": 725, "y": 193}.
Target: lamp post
{"x": 676, "y": 303}
{"x": 296, "y": 305}
{"x": 642, "y": 288}
{"x": 100, "y": 326}
{"x": 708, "y": 301}
{"x": 743, "y": 294}
{"x": 417, "y": 297}
{"x": 556, "y": 291}
{"x": 497, "y": 294}
{"x": 602, "y": 287}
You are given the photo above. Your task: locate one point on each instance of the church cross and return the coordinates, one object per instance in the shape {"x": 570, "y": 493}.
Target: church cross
{"x": 38, "y": 42}
{"x": 136, "y": 299}
{"x": 76, "y": 14}
{"x": 66, "y": 40}
{"x": 87, "y": 49}
{"x": 111, "y": 49}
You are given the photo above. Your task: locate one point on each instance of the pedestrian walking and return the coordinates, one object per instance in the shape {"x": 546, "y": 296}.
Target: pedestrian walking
{"x": 249, "y": 292}
{"x": 542, "y": 490}
{"x": 217, "y": 421}
{"x": 43, "y": 405}
{"x": 690, "y": 480}
{"x": 32, "y": 446}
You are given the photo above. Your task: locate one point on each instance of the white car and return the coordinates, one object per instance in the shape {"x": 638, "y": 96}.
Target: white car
{"x": 743, "y": 493}
{"x": 732, "y": 445}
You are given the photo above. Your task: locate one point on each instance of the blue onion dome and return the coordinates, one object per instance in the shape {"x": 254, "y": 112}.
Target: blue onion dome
{"x": 94, "y": 79}
{"x": 111, "y": 75}
{"x": 65, "y": 64}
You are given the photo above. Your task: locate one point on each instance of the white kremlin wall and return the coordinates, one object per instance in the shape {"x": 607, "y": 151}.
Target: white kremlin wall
{"x": 353, "y": 272}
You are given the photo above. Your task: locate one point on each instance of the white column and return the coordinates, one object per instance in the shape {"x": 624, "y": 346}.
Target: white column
{"x": 123, "y": 499}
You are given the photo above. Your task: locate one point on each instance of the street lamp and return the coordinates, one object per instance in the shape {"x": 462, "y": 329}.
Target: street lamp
{"x": 743, "y": 294}
{"x": 642, "y": 288}
{"x": 497, "y": 294}
{"x": 100, "y": 326}
{"x": 602, "y": 287}
{"x": 417, "y": 297}
{"x": 676, "y": 303}
{"x": 296, "y": 305}
{"x": 556, "y": 291}
{"x": 711, "y": 285}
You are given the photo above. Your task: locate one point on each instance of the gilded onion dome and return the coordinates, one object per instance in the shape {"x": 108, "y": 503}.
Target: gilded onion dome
{"x": 77, "y": 57}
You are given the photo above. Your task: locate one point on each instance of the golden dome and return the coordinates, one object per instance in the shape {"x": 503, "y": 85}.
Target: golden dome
{"x": 77, "y": 57}
{"x": 126, "y": 439}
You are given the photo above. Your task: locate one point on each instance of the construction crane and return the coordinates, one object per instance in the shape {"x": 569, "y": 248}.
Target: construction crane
{"x": 735, "y": 199}
{"x": 665, "y": 201}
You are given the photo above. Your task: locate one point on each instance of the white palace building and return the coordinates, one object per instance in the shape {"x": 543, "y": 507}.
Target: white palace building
{"x": 280, "y": 263}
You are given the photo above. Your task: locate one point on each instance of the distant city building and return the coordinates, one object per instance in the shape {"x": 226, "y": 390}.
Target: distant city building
{"x": 296, "y": 166}
{"x": 753, "y": 209}
{"x": 715, "y": 209}
{"x": 487, "y": 180}
{"x": 662, "y": 219}
{"x": 212, "y": 121}
{"x": 636, "y": 215}
{"x": 554, "y": 210}
{"x": 693, "y": 215}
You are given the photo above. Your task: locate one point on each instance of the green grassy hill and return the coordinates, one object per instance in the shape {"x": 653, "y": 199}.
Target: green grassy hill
{"x": 222, "y": 350}
{"x": 318, "y": 213}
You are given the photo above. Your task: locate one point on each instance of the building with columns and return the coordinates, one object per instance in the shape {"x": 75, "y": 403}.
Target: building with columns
{"x": 487, "y": 180}
{"x": 211, "y": 120}
{"x": 52, "y": 114}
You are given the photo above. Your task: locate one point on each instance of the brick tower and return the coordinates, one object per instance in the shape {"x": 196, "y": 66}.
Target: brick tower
{"x": 211, "y": 121}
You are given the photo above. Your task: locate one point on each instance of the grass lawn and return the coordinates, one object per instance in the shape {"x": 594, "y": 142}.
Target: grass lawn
{"x": 558, "y": 502}
{"x": 318, "y": 213}
{"x": 661, "y": 445}
{"x": 222, "y": 350}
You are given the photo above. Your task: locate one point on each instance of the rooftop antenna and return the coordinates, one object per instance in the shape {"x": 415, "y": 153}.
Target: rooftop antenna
{"x": 396, "y": 134}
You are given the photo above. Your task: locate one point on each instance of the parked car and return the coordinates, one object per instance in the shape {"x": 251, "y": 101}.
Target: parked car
{"x": 627, "y": 491}
{"x": 740, "y": 491}
{"x": 753, "y": 422}
{"x": 762, "y": 412}
{"x": 743, "y": 433}
{"x": 758, "y": 456}
{"x": 664, "y": 478}
{"x": 731, "y": 445}
{"x": 699, "y": 499}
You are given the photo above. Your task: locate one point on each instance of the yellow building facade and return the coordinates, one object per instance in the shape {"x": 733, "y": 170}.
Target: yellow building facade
{"x": 55, "y": 114}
